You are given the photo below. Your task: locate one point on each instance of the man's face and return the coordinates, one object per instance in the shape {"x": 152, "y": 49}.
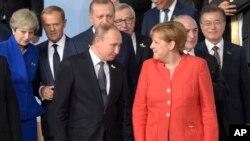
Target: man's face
{"x": 101, "y": 13}
{"x": 213, "y": 26}
{"x": 109, "y": 45}
{"x": 162, "y": 4}
{"x": 53, "y": 25}
{"x": 125, "y": 21}
{"x": 192, "y": 32}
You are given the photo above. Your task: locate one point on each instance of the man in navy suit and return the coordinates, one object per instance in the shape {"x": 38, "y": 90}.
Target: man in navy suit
{"x": 232, "y": 60}
{"x": 158, "y": 14}
{"x": 240, "y": 9}
{"x": 101, "y": 12}
{"x": 125, "y": 21}
{"x": 91, "y": 95}
{"x": 54, "y": 22}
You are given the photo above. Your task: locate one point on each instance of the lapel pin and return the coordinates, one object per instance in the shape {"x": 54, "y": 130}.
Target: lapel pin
{"x": 113, "y": 66}
{"x": 33, "y": 64}
{"x": 229, "y": 53}
{"x": 142, "y": 45}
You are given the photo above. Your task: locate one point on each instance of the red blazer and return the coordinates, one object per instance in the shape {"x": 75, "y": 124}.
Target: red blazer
{"x": 177, "y": 109}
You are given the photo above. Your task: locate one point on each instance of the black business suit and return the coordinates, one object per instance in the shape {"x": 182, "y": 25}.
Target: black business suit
{"x": 10, "y": 124}
{"x": 47, "y": 79}
{"x": 242, "y": 7}
{"x": 79, "y": 113}
{"x": 237, "y": 79}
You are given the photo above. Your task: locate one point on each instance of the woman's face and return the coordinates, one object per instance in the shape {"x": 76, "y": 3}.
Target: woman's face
{"x": 160, "y": 47}
{"x": 23, "y": 36}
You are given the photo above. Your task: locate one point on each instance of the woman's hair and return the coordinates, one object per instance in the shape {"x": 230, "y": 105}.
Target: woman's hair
{"x": 24, "y": 18}
{"x": 171, "y": 31}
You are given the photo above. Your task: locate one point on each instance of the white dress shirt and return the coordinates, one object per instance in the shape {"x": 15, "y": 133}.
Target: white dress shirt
{"x": 220, "y": 46}
{"x": 191, "y": 52}
{"x": 133, "y": 37}
{"x": 96, "y": 64}
{"x": 170, "y": 12}
{"x": 60, "y": 50}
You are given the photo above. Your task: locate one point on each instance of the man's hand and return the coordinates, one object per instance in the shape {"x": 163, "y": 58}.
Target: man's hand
{"x": 229, "y": 8}
{"x": 47, "y": 92}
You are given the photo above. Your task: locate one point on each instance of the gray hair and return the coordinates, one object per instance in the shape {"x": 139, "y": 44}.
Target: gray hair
{"x": 24, "y": 18}
{"x": 180, "y": 17}
{"x": 121, "y": 6}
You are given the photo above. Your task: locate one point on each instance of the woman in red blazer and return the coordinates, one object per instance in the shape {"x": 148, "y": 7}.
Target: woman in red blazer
{"x": 174, "y": 98}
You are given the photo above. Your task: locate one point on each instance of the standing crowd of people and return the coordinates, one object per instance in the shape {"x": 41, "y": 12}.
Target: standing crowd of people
{"x": 174, "y": 72}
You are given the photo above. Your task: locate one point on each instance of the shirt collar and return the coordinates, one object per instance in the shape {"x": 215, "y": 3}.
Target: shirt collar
{"x": 95, "y": 58}
{"x": 191, "y": 52}
{"x": 210, "y": 45}
{"x": 60, "y": 43}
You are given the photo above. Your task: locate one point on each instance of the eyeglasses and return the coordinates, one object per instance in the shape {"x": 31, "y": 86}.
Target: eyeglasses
{"x": 128, "y": 20}
{"x": 210, "y": 23}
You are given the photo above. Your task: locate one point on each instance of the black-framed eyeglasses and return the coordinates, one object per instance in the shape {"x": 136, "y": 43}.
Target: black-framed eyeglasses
{"x": 128, "y": 20}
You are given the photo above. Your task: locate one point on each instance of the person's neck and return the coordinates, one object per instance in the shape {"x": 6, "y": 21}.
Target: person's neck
{"x": 172, "y": 61}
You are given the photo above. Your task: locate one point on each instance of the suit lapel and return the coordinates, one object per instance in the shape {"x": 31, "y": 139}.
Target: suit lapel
{"x": 177, "y": 10}
{"x": 45, "y": 67}
{"x": 227, "y": 57}
{"x": 69, "y": 48}
{"x": 114, "y": 76}
{"x": 139, "y": 49}
{"x": 92, "y": 76}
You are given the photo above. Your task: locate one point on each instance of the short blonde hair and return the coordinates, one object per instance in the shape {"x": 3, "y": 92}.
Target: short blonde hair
{"x": 171, "y": 31}
{"x": 24, "y": 18}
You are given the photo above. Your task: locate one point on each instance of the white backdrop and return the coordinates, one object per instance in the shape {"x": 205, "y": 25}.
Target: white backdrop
{"x": 76, "y": 12}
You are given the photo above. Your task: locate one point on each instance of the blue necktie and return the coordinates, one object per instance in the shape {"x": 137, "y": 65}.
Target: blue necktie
{"x": 56, "y": 60}
{"x": 166, "y": 15}
{"x": 102, "y": 83}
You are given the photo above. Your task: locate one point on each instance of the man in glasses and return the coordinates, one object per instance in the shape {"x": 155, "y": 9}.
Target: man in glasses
{"x": 125, "y": 21}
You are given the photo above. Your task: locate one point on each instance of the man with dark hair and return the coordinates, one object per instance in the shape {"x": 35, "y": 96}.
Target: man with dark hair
{"x": 91, "y": 95}
{"x": 232, "y": 60}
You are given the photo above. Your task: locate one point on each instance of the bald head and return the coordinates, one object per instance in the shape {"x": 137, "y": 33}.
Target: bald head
{"x": 192, "y": 30}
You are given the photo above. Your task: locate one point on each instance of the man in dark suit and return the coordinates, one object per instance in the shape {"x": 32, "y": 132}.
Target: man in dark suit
{"x": 4, "y": 32}
{"x": 10, "y": 124}
{"x": 165, "y": 10}
{"x": 8, "y": 7}
{"x": 91, "y": 92}
{"x": 241, "y": 10}
{"x": 232, "y": 60}
{"x": 125, "y": 21}
{"x": 100, "y": 12}
{"x": 220, "y": 89}
{"x": 54, "y": 22}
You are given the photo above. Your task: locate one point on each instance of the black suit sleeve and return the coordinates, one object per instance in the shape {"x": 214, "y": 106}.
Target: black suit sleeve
{"x": 61, "y": 103}
{"x": 12, "y": 106}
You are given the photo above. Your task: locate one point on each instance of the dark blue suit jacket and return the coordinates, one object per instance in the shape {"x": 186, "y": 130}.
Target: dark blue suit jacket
{"x": 236, "y": 75}
{"x": 126, "y": 56}
{"x": 46, "y": 78}
{"x": 152, "y": 17}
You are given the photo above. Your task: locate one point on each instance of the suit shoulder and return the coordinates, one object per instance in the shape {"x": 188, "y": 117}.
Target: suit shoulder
{"x": 151, "y": 12}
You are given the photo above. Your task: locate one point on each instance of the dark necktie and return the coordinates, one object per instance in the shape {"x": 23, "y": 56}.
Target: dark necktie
{"x": 102, "y": 83}
{"x": 56, "y": 60}
{"x": 166, "y": 15}
{"x": 216, "y": 55}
